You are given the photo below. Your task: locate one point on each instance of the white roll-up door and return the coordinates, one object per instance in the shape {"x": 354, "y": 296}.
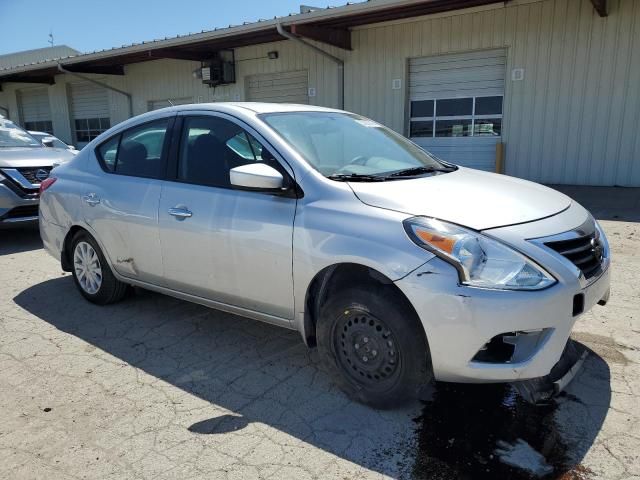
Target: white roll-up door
{"x": 35, "y": 111}
{"x": 456, "y": 105}
{"x": 90, "y": 111}
{"x": 282, "y": 87}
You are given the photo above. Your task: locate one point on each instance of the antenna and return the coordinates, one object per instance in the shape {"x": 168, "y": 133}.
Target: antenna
{"x": 171, "y": 103}
{"x": 50, "y": 41}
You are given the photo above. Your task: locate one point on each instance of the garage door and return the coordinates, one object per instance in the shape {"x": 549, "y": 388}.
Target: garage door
{"x": 90, "y": 111}
{"x": 456, "y": 106}
{"x": 35, "y": 111}
{"x": 167, "y": 102}
{"x": 282, "y": 87}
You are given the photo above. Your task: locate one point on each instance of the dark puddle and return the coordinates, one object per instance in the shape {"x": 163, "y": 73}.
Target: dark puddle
{"x": 464, "y": 425}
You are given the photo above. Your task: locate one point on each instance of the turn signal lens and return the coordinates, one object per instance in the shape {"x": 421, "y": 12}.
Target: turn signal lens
{"x": 445, "y": 244}
{"x": 46, "y": 183}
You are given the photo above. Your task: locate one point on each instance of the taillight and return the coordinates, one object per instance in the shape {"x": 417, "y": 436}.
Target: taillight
{"x": 46, "y": 183}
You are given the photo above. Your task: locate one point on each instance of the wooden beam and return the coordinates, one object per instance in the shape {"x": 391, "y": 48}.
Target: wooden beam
{"x": 338, "y": 37}
{"x": 49, "y": 80}
{"x": 601, "y": 7}
{"x": 100, "y": 70}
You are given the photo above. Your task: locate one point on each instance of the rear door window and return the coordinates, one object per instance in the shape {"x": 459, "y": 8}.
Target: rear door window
{"x": 137, "y": 152}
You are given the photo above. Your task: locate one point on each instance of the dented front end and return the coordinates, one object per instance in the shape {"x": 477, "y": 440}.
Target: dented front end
{"x": 485, "y": 335}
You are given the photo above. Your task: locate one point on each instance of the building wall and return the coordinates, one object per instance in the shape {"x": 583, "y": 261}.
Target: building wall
{"x": 172, "y": 79}
{"x": 574, "y": 117}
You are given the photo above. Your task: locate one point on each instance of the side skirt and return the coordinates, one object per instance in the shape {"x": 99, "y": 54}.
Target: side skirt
{"x": 243, "y": 312}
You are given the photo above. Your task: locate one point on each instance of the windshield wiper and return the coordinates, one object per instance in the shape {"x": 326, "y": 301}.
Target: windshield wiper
{"x": 408, "y": 172}
{"x": 356, "y": 177}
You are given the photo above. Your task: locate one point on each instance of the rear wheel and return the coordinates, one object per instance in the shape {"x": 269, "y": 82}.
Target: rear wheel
{"x": 92, "y": 274}
{"x": 374, "y": 346}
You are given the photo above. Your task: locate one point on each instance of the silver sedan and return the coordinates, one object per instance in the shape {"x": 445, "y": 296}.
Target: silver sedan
{"x": 399, "y": 267}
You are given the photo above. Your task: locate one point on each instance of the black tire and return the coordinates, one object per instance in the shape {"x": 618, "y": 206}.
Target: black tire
{"x": 401, "y": 365}
{"x": 111, "y": 290}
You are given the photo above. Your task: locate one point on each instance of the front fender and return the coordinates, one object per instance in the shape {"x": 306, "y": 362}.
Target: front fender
{"x": 335, "y": 232}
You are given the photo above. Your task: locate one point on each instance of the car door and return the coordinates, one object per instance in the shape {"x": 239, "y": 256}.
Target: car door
{"x": 220, "y": 243}
{"x": 120, "y": 201}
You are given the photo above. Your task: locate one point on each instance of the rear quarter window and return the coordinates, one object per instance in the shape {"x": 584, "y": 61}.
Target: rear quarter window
{"x": 107, "y": 153}
{"x": 137, "y": 152}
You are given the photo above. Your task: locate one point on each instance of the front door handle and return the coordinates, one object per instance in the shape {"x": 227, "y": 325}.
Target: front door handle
{"x": 92, "y": 199}
{"x": 180, "y": 213}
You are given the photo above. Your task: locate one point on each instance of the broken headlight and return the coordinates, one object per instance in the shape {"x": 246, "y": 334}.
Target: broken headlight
{"x": 480, "y": 260}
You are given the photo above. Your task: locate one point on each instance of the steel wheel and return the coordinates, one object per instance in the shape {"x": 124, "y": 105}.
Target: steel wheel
{"x": 87, "y": 267}
{"x": 367, "y": 349}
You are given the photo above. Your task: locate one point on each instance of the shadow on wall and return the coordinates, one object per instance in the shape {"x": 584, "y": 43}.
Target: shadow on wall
{"x": 265, "y": 374}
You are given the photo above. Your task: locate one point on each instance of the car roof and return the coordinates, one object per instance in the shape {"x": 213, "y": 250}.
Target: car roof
{"x": 256, "y": 107}
{"x": 239, "y": 108}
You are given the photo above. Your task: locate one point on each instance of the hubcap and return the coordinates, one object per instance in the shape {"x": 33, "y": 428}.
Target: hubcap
{"x": 87, "y": 267}
{"x": 366, "y": 348}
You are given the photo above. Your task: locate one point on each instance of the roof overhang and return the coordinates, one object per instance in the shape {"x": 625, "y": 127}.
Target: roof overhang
{"x": 330, "y": 26}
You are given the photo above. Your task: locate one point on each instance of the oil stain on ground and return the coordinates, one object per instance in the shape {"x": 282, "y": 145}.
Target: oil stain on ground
{"x": 489, "y": 432}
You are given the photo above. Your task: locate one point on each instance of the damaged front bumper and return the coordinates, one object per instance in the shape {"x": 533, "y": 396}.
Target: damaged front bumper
{"x": 492, "y": 336}
{"x": 543, "y": 389}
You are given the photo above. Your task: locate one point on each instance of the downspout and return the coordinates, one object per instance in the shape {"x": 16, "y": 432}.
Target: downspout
{"x": 100, "y": 84}
{"x": 336, "y": 60}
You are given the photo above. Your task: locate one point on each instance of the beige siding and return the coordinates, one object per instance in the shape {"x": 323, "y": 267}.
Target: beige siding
{"x": 573, "y": 119}
{"x": 164, "y": 79}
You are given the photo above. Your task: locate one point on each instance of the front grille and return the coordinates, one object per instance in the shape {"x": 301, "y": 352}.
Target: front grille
{"x": 18, "y": 190}
{"x": 32, "y": 174}
{"x": 586, "y": 253}
{"x": 21, "y": 212}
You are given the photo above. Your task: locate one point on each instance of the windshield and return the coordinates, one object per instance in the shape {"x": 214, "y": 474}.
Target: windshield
{"x": 343, "y": 144}
{"x": 12, "y": 135}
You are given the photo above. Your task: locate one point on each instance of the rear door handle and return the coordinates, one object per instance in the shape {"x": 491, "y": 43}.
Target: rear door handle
{"x": 180, "y": 212}
{"x": 91, "y": 198}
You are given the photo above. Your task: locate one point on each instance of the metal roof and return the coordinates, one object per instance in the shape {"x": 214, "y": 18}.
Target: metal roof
{"x": 16, "y": 59}
{"x": 322, "y": 23}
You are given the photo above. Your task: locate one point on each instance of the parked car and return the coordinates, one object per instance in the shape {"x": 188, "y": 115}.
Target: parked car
{"x": 399, "y": 267}
{"x": 24, "y": 164}
{"x": 52, "y": 141}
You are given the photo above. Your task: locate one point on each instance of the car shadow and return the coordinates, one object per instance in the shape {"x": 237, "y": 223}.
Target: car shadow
{"x": 17, "y": 240}
{"x": 265, "y": 374}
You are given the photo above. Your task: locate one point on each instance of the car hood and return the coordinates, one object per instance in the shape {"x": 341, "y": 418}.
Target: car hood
{"x": 19, "y": 157}
{"x": 472, "y": 198}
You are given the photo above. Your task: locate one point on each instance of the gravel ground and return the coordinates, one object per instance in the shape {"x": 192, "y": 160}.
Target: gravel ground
{"x": 158, "y": 388}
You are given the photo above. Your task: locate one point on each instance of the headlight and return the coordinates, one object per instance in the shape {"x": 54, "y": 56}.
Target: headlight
{"x": 602, "y": 238}
{"x": 480, "y": 260}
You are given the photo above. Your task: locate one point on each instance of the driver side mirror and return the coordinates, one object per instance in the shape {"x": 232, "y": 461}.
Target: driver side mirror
{"x": 257, "y": 176}
{"x": 47, "y": 142}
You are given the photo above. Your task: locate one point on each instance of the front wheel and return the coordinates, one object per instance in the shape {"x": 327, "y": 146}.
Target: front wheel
{"x": 374, "y": 346}
{"x": 92, "y": 274}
